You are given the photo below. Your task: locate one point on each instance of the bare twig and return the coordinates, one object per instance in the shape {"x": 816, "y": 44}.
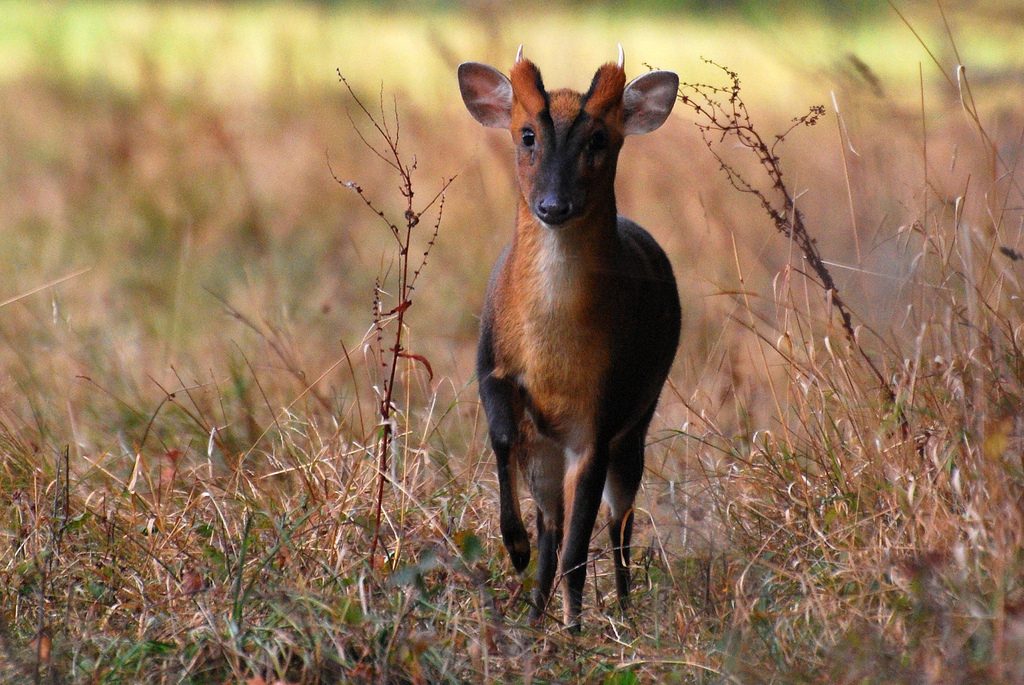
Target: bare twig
{"x": 722, "y": 114}
{"x": 402, "y": 232}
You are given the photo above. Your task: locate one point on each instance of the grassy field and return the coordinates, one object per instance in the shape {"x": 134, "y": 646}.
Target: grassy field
{"x": 195, "y": 320}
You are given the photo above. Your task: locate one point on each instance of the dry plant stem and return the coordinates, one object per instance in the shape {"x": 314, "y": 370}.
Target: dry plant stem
{"x": 44, "y": 286}
{"x": 963, "y": 89}
{"x": 723, "y": 114}
{"x": 389, "y": 153}
{"x": 273, "y": 340}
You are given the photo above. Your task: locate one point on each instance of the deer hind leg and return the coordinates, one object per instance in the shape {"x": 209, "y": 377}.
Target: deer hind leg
{"x": 549, "y": 538}
{"x": 625, "y": 470}
{"x": 620, "y": 530}
{"x": 543, "y": 463}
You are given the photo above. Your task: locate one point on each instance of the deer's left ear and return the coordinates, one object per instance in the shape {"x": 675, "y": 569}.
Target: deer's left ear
{"x": 648, "y": 100}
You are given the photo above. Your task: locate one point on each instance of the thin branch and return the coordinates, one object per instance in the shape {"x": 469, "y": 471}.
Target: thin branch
{"x": 723, "y": 114}
{"x": 403, "y": 233}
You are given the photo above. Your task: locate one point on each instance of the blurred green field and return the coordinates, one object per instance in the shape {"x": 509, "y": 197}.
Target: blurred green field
{"x": 266, "y": 50}
{"x": 189, "y": 377}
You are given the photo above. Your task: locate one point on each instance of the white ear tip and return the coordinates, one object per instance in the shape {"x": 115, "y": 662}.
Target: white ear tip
{"x": 622, "y": 57}
{"x": 519, "y": 54}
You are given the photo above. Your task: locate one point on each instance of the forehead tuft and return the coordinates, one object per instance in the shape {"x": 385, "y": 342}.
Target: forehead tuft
{"x": 606, "y": 90}
{"x": 528, "y": 87}
{"x": 565, "y": 105}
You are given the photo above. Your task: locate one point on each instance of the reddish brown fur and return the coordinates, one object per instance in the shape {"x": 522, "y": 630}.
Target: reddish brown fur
{"x": 565, "y": 105}
{"x": 526, "y": 83}
{"x": 558, "y": 347}
{"x": 548, "y": 331}
{"x": 606, "y": 93}
{"x": 572, "y": 357}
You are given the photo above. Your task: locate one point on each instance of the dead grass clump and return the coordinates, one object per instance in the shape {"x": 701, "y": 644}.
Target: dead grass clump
{"x": 881, "y": 533}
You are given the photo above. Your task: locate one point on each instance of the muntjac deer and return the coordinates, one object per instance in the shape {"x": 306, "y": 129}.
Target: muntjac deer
{"x": 581, "y": 320}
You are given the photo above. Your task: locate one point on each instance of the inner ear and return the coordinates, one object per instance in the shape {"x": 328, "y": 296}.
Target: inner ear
{"x": 487, "y": 94}
{"x": 648, "y": 100}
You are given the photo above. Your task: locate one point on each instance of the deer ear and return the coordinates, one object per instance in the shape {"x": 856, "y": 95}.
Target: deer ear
{"x": 487, "y": 94}
{"x": 648, "y": 100}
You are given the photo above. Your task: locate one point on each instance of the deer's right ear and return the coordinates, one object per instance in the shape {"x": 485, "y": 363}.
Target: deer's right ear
{"x": 487, "y": 94}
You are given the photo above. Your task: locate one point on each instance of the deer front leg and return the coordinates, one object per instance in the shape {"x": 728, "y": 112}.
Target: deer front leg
{"x": 504, "y": 414}
{"x": 584, "y": 483}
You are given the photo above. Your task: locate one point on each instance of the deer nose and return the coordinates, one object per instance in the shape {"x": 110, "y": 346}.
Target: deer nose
{"x": 552, "y": 209}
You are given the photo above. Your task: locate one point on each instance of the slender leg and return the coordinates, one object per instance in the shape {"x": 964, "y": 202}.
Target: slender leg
{"x": 549, "y": 536}
{"x": 584, "y": 484}
{"x": 503, "y": 415}
{"x": 625, "y": 469}
{"x": 621, "y": 532}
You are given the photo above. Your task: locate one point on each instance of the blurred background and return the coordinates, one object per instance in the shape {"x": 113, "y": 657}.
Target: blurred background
{"x": 171, "y": 156}
{"x": 188, "y": 341}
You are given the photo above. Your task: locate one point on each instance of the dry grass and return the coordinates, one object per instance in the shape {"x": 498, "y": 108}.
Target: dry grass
{"x": 190, "y": 427}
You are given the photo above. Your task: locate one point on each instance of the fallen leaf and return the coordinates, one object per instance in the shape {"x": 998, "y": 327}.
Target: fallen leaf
{"x": 421, "y": 359}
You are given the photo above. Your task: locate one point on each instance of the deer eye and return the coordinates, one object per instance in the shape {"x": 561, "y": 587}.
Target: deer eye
{"x": 528, "y": 136}
{"x": 598, "y": 141}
